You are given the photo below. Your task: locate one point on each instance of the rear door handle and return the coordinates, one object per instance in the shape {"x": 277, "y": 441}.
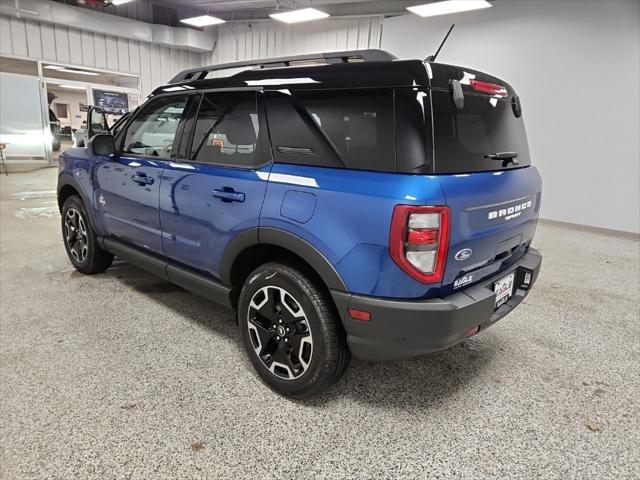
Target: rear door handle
{"x": 142, "y": 179}
{"x": 228, "y": 194}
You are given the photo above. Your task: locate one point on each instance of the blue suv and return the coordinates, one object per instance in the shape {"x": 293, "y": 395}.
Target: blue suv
{"x": 343, "y": 204}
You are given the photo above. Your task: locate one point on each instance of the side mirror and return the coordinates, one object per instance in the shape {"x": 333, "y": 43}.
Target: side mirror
{"x": 101, "y": 145}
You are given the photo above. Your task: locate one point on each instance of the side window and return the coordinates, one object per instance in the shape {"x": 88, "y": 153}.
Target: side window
{"x": 152, "y": 131}
{"x": 295, "y": 137}
{"x": 359, "y": 124}
{"x": 121, "y": 122}
{"x": 227, "y": 130}
{"x": 414, "y": 146}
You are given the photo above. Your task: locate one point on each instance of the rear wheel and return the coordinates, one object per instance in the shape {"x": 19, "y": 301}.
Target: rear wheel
{"x": 291, "y": 331}
{"x": 80, "y": 240}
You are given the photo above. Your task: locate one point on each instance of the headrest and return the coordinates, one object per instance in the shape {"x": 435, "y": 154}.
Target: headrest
{"x": 238, "y": 127}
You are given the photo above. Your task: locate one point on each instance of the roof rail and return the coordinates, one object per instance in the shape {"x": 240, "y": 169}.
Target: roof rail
{"x": 351, "y": 56}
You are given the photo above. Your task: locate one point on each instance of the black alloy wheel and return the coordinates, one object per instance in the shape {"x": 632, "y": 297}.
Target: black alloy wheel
{"x": 75, "y": 229}
{"x": 280, "y": 332}
{"x": 80, "y": 240}
{"x": 291, "y": 330}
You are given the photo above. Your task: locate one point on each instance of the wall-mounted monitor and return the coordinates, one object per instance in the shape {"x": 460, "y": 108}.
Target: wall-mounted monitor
{"x": 113, "y": 103}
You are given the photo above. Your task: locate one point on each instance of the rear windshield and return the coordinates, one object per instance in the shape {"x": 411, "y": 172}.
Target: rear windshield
{"x": 486, "y": 125}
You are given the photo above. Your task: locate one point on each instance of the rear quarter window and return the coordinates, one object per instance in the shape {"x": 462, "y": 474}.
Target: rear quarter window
{"x": 359, "y": 124}
{"x": 341, "y": 128}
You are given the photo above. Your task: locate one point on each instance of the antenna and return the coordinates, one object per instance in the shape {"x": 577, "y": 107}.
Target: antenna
{"x": 432, "y": 58}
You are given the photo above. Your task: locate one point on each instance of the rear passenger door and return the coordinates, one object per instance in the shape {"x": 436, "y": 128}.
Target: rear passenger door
{"x": 218, "y": 192}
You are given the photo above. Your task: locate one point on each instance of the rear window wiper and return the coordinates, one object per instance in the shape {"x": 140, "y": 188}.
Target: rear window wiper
{"x": 504, "y": 157}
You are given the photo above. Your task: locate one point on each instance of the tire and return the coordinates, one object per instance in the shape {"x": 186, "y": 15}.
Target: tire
{"x": 312, "y": 354}
{"x": 80, "y": 240}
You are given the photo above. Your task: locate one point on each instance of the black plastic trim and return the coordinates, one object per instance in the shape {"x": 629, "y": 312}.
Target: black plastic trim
{"x": 146, "y": 261}
{"x": 401, "y": 329}
{"x": 65, "y": 181}
{"x": 284, "y": 239}
{"x": 370, "y": 55}
{"x": 295, "y": 150}
{"x": 239, "y": 243}
{"x": 197, "y": 283}
{"x": 306, "y": 251}
{"x": 203, "y": 286}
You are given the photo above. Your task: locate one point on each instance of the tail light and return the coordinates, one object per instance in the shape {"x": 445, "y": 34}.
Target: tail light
{"x": 419, "y": 240}
{"x": 490, "y": 88}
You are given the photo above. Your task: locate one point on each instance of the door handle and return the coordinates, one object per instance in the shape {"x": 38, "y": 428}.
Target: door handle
{"x": 228, "y": 194}
{"x": 141, "y": 178}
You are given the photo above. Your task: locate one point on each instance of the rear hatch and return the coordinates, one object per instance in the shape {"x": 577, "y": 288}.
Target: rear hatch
{"x": 494, "y": 196}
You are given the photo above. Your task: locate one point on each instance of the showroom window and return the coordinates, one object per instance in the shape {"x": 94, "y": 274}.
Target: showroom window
{"x": 227, "y": 130}
{"x": 152, "y": 132}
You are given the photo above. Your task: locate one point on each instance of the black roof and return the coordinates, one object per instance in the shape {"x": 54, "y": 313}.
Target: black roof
{"x": 353, "y": 69}
{"x": 360, "y": 75}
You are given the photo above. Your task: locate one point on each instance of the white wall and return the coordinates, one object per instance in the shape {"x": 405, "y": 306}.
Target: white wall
{"x": 576, "y": 67}
{"x": 41, "y": 41}
{"x": 247, "y": 41}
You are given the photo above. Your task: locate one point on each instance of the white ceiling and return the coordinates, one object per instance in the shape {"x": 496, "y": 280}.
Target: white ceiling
{"x": 260, "y": 9}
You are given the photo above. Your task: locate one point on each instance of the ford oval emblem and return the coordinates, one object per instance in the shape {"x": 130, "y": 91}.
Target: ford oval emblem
{"x": 463, "y": 254}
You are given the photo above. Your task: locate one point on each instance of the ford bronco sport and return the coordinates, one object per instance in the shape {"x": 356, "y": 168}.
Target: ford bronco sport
{"x": 343, "y": 204}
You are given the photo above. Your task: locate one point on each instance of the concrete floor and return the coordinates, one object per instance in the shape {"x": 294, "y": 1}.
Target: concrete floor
{"x": 122, "y": 375}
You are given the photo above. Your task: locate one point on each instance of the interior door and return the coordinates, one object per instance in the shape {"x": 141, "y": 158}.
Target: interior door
{"x": 218, "y": 190}
{"x": 96, "y": 122}
{"x": 127, "y": 187}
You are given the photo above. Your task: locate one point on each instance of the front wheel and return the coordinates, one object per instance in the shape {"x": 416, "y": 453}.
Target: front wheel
{"x": 80, "y": 240}
{"x": 291, "y": 331}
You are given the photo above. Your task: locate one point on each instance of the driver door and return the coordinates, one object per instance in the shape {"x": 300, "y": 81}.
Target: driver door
{"x": 127, "y": 187}
{"x": 96, "y": 122}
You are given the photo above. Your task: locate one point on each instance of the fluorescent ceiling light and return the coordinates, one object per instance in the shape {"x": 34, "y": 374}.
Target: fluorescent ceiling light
{"x": 58, "y": 68}
{"x": 119, "y": 2}
{"x": 448, "y": 6}
{"x": 72, "y": 87}
{"x": 79, "y": 72}
{"x": 202, "y": 21}
{"x": 296, "y": 16}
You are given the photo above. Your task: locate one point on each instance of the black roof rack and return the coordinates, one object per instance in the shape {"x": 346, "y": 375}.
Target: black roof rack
{"x": 352, "y": 56}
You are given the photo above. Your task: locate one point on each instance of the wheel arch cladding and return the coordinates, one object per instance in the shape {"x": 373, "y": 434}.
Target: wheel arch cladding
{"x": 67, "y": 188}
{"x": 261, "y": 240}
{"x": 65, "y": 191}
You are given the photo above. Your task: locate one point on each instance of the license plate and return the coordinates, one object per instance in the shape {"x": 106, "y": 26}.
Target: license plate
{"x": 503, "y": 289}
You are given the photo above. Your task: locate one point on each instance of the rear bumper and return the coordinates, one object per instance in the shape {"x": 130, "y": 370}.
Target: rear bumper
{"x": 402, "y": 329}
